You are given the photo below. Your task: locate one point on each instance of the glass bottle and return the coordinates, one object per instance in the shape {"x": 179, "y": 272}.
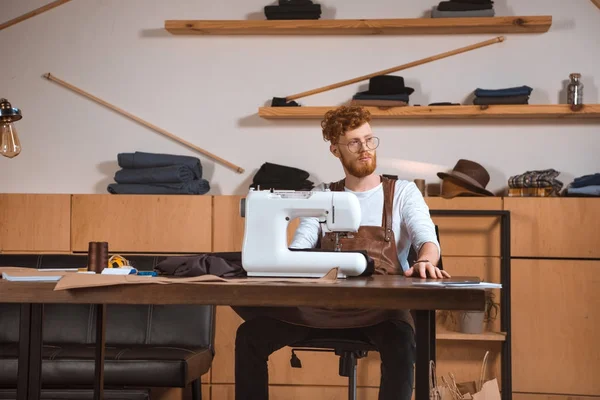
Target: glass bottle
{"x": 575, "y": 92}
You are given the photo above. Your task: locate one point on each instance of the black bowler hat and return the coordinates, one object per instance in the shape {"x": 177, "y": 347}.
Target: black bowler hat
{"x": 387, "y": 84}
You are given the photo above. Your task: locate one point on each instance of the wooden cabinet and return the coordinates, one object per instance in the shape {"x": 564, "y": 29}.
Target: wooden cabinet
{"x": 468, "y": 236}
{"x": 143, "y": 223}
{"x": 35, "y": 223}
{"x": 554, "y": 227}
{"x": 555, "y": 324}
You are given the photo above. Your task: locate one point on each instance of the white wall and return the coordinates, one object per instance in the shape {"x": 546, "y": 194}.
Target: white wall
{"x": 207, "y": 90}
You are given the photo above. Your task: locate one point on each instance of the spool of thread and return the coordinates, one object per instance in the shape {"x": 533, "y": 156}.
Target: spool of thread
{"x": 97, "y": 256}
{"x": 421, "y": 186}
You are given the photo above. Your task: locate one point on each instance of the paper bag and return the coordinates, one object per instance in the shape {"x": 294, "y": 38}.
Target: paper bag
{"x": 489, "y": 391}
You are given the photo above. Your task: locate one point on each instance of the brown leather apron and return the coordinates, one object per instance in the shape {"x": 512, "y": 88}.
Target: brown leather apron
{"x": 380, "y": 244}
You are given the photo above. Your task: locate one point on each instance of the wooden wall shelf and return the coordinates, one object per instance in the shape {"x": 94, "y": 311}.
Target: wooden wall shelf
{"x": 546, "y": 111}
{"x": 404, "y": 26}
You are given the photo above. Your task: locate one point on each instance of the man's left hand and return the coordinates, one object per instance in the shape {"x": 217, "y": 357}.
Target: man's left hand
{"x": 426, "y": 269}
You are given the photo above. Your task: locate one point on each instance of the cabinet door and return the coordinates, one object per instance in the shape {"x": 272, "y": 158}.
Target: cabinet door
{"x": 35, "y": 223}
{"x": 468, "y": 236}
{"x": 554, "y": 227}
{"x": 143, "y": 223}
{"x": 555, "y": 320}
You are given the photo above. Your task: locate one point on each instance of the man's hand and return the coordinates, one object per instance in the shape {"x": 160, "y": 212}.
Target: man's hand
{"x": 426, "y": 269}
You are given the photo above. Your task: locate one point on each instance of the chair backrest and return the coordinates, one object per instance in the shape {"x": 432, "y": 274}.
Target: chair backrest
{"x": 163, "y": 325}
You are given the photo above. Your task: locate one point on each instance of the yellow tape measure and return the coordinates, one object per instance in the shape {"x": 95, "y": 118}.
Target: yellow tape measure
{"x": 117, "y": 261}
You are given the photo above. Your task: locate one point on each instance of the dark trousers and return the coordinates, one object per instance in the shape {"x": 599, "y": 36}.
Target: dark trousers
{"x": 258, "y": 338}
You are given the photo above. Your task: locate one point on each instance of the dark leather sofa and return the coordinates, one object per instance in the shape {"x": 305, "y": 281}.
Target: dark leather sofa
{"x": 146, "y": 346}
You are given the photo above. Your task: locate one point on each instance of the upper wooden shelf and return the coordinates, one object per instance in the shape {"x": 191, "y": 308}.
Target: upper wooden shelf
{"x": 445, "y": 112}
{"x": 404, "y": 26}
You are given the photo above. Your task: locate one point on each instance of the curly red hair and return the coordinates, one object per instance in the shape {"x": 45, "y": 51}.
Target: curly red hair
{"x": 343, "y": 119}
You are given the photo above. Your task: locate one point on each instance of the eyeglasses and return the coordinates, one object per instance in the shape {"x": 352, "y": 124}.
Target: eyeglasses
{"x": 356, "y": 145}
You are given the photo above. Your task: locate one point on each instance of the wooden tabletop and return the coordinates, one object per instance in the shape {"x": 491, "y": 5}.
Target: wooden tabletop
{"x": 372, "y": 292}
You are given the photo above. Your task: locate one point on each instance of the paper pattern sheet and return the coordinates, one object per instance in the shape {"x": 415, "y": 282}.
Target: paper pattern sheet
{"x": 80, "y": 281}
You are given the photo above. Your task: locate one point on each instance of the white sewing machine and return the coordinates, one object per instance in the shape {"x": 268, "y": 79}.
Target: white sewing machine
{"x": 267, "y": 215}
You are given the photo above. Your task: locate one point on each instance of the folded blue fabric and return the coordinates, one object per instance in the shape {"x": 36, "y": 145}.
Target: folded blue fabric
{"x": 198, "y": 186}
{"x": 586, "y": 180}
{"x": 141, "y": 159}
{"x": 170, "y": 174}
{"x": 512, "y": 91}
{"x": 592, "y": 190}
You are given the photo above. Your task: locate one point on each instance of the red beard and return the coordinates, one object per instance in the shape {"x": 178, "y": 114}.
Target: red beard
{"x": 358, "y": 168}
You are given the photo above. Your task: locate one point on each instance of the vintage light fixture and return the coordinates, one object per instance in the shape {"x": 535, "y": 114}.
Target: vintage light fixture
{"x": 10, "y": 146}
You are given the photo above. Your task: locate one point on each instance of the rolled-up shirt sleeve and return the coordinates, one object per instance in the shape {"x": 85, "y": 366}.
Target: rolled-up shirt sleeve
{"x": 416, "y": 217}
{"x": 307, "y": 234}
{"x": 309, "y": 229}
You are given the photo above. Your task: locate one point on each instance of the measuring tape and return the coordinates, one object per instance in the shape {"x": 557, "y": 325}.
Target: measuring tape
{"x": 117, "y": 261}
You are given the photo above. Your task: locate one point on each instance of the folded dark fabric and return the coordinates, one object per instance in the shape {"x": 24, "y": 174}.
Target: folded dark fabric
{"x": 378, "y": 103}
{"x": 203, "y": 264}
{"x": 302, "y": 8}
{"x": 170, "y": 174}
{"x": 198, "y": 186}
{"x": 141, "y": 159}
{"x": 397, "y": 97}
{"x": 501, "y": 100}
{"x": 512, "y": 91}
{"x": 289, "y": 17}
{"x": 452, "y": 6}
{"x": 269, "y": 172}
{"x": 435, "y": 13}
{"x": 283, "y": 185}
{"x": 294, "y": 15}
{"x": 586, "y": 180}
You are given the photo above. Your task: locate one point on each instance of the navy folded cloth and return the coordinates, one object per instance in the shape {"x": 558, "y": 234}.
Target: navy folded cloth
{"x": 501, "y": 100}
{"x": 170, "y": 174}
{"x": 451, "y": 6}
{"x": 586, "y": 180}
{"x": 512, "y": 91}
{"x": 141, "y": 159}
{"x": 199, "y": 186}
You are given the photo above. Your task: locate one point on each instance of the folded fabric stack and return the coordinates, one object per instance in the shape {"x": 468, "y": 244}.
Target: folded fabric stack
{"x": 384, "y": 91}
{"x": 156, "y": 173}
{"x": 294, "y": 9}
{"x": 513, "y": 95}
{"x": 539, "y": 183}
{"x": 281, "y": 177}
{"x": 463, "y": 9}
{"x": 585, "y": 186}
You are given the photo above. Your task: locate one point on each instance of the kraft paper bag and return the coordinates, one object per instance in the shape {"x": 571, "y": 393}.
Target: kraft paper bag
{"x": 489, "y": 391}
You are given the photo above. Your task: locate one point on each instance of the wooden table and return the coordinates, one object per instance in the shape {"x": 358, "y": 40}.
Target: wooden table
{"x": 392, "y": 292}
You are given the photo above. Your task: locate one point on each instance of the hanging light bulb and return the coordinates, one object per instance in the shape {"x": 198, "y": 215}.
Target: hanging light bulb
{"x": 10, "y": 146}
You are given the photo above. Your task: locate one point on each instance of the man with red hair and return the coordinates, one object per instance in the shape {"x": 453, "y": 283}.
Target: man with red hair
{"x": 394, "y": 218}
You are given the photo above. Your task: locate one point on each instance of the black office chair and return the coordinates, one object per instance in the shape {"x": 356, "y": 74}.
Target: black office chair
{"x": 350, "y": 345}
